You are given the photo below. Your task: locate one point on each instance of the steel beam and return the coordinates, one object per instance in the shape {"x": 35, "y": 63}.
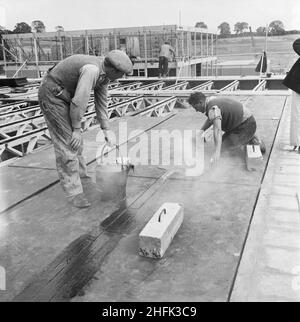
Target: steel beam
{"x": 153, "y": 86}
{"x": 178, "y": 86}
{"x": 129, "y": 86}
{"x": 12, "y": 107}
{"x": 261, "y": 86}
{"x": 233, "y": 86}
{"x": 159, "y": 109}
{"x": 204, "y": 87}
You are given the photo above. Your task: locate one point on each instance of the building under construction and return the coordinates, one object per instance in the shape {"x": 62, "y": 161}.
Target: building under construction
{"x": 32, "y": 54}
{"x": 239, "y": 239}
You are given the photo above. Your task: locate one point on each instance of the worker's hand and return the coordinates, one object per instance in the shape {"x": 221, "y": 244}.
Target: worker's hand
{"x": 76, "y": 139}
{"x": 215, "y": 158}
{"x": 110, "y": 138}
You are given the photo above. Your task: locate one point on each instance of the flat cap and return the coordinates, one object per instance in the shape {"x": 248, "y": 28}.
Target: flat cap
{"x": 120, "y": 61}
{"x": 296, "y": 46}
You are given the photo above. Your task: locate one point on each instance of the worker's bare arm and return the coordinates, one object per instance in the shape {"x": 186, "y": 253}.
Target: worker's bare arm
{"x": 87, "y": 80}
{"x": 100, "y": 97}
{"x": 206, "y": 125}
{"x": 217, "y": 129}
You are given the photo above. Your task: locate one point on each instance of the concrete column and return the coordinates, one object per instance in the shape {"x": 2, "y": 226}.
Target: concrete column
{"x": 3, "y": 53}
{"x": 71, "y": 44}
{"x": 187, "y": 44}
{"x": 60, "y": 46}
{"x": 100, "y": 47}
{"x": 207, "y": 45}
{"x": 36, "y": 56}
{"x": 182, "y": 43}
{"x": 177, "y": 48}
{"x": 195, "y": 44}
{"x": 201, "y": 44}
{"x": 87, "y": 46}
{"x": 115, "y": 40}
{"x": 146, "y": 59}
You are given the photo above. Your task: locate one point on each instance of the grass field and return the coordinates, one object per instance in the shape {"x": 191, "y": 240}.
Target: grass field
{"x": 279, "y": 50}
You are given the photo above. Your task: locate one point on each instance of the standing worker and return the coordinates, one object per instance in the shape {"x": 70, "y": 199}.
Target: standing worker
{"x": 292, "y": 81}
{"x": 230, "y": 116}
{"x": 63, "y": 98}
{"x": 164, "y": 56}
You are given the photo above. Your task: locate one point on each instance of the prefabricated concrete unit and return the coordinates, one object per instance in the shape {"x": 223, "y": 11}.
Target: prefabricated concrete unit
{"x": 157, "y": 235}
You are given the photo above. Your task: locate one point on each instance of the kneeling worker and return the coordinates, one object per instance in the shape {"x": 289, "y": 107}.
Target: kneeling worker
{"x": 63, "y": 98}
{"x": 230, "y": 116}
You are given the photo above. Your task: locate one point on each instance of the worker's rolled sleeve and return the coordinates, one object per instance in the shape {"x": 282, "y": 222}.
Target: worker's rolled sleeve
{"x": 100, "y": 98}
{"x": 214, "y": 113}
{"x": 88, "y": 75}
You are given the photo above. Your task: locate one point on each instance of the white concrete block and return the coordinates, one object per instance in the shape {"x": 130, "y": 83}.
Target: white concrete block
{"x": 158, "y": 233}
{"x": 253, "y": 157}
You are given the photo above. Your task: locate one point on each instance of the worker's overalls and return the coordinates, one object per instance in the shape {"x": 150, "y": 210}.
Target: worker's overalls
{"x": 295, "y": 120}
{"x": 54, "y": 102}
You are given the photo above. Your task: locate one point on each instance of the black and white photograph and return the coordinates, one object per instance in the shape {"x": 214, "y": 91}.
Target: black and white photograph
{"x": 149, "y": 154}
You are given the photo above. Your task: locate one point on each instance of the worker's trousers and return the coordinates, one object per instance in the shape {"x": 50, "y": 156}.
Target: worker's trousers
{"x": 70, "y": 164}
{"x": 295, "y": 120}
{"x": 163, "y": 66}
{"x": 241, "y": 135}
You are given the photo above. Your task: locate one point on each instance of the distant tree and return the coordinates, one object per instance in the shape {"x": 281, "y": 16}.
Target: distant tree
{"x": 276, "y": 28}
{"x": 261, "y": 30}
{"x": 22, "y": 28}
{"x": 201, "y": 24}
{"x": 3, "y": 30}
{"x": 224, "y": 28}
{"x": 59, "y": 28}
{"x": 38, "y": 26}
{"x": 240, "y": 27}
{"x": 292, "y": 32}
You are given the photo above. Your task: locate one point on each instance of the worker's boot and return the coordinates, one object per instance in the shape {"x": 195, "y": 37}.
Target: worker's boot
{"x": 263, "y": 148}
{"x": 256, "y": 141}
{"x": 79, "y": 201}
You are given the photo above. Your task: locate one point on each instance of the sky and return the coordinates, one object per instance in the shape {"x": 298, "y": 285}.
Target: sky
{"x": 98, "y": 14}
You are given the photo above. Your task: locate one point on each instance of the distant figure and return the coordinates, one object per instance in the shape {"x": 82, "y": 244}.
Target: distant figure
{"x": 230, "y": 116}
{"x": 63, "y": 97}
{"x": 164, "y": 56}
{"x": 292, "y": 81}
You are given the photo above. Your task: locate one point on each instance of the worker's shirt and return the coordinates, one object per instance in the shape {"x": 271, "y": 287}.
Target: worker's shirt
{"x": 231, "y": 113}
{"x": 166, "y": 50}
{"x": 80, "y": 74}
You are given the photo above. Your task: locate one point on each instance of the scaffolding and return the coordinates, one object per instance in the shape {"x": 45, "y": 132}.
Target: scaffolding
{"x": 39, "y": 50}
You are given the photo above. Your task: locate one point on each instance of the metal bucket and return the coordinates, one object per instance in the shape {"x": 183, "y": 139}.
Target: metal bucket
{"x": 111, "y": 179}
